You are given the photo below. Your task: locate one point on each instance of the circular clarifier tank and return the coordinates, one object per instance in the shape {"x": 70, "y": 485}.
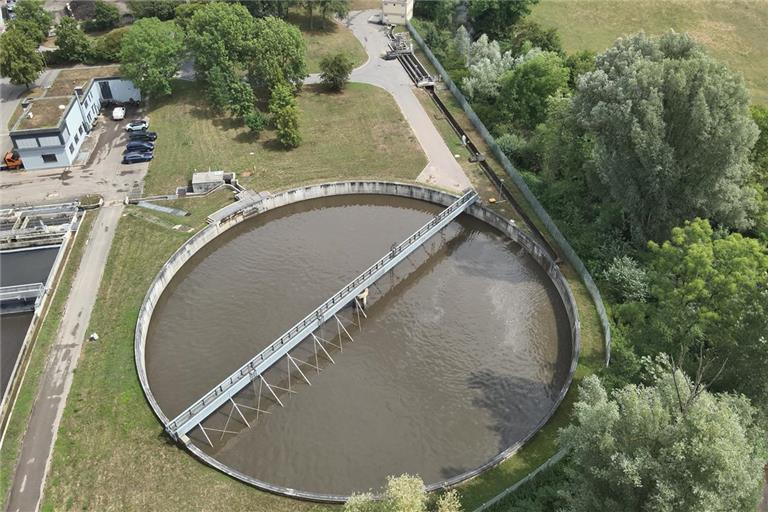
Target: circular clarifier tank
{"x": 465, "y": 351}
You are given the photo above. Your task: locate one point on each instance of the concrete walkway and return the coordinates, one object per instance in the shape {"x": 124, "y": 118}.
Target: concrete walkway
{"x": 37, "y": 446}
{"x": 442, "y": 168}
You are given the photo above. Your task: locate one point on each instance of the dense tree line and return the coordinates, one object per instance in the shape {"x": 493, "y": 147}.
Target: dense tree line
{"x": 655, "y": 166}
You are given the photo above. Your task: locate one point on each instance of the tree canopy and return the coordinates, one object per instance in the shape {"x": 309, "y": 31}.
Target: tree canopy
{"x": 495, "y": 17}
{"x": 404, "y": 493}
{"x": 285, "y": 115}
{"x": 711, "y": 289}
{"x": 20, "y": 61}
{"x": 636, "y": 450}
{"x": 73, "y": 45}
{"x": 151, "y": 54}
{"x": 105, "y": 16}
{"x": 526, "y": 89}
{"x": 33, "y": 11}
{"x": 672, "y": 133}
{"x": 278, "y": 54}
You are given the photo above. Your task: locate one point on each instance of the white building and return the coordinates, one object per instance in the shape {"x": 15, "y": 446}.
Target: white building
{"x": 396, "y": 12}
{"x": 51, "y": 129}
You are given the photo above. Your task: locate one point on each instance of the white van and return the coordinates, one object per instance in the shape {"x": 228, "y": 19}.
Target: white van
{"x": 118, "y": 114}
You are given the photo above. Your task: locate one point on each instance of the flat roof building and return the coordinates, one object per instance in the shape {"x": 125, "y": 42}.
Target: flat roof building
{"x": 50, "y": 129}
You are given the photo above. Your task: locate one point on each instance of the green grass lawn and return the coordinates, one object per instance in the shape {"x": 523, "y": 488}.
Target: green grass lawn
{"x": 325, "y": 39}
{"x": 733, "y": 30}
{"x": 23, "y": 407}
{"x": 359, "y": 133}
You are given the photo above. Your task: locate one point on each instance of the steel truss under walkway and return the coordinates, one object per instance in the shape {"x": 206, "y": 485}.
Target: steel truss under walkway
{"x": 305, "y": 329}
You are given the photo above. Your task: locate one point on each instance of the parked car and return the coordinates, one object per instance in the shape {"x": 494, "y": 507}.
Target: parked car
{"x": 118, "y": 114}
{"x": 136, "y": 157}
{"x": 137, "y": 145}
{"x": 145, "y": 136}
{"x": 137, "y": 125}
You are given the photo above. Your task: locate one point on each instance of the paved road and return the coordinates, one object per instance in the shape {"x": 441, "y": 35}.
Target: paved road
{"x": 35, "y": 458}
{"x": 442, "y": 168}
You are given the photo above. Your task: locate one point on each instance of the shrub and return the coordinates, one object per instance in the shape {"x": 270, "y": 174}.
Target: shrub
{"x": 336, "y": 69}
{"x": 105, "y": 17}
{"x": 254, "y": 121}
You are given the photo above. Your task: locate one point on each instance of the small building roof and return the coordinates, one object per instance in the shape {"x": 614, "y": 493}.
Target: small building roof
{"x": 43, "y": 113}
{"x": 68, "y": 79}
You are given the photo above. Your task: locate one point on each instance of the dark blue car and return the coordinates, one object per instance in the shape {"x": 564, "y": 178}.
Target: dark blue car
{"x": 133, "y": 158}
{"x": 139, "y": 146}
{"x": 143, "y": 136}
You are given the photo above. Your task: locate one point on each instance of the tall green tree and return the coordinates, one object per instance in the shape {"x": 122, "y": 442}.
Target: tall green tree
{"x": 278, "y": 53}
{"x": 33, "y": 11}
{"x": 220, "y": 34}
{"x": 105, "y": 16}
{"x": 710, "y": 292}
{"x": 496, "y": 17}
{"x": 636, "y": 450}
{"x": 151, "y": 54}
{"x": 264, "y": 8}
{"x": 73, "y": 45}
{"x": 526, "y": 89}
{"x": 285, "y": 115}
{"x": 29, "y": 28}
{"x": 330, "y": 8}
{"x": 672, "y": 133}
{"x": 162, "y": 9}
{"x": 20, "y": 61}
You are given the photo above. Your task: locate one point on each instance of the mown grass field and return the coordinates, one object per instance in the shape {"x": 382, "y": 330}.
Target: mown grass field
{"x": 359, "y": 133}
{"x": 733, "y": 30}
{"x": 326, "y": 38}
{"x": 22, "y": 409}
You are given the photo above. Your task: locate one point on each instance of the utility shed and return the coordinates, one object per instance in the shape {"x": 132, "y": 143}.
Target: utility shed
{"x": 203, "y": 182}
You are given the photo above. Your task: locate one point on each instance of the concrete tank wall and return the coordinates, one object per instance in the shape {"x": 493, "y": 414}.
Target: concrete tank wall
{"x": 234, "y": 214}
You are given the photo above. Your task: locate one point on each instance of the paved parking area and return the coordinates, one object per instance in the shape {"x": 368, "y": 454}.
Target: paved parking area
{"x": 102, "y": 172}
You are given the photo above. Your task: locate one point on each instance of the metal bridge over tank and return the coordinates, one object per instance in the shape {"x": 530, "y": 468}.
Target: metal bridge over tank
{"x": 19, "y": 298}
{"x": 225, "y": 391}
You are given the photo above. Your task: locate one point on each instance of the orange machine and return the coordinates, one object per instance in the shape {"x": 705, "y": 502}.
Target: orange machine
{"x": 12, "y": 161}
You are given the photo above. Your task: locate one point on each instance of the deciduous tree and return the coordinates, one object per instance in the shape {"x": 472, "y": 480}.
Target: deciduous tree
{"x": 711, "y": 289}
{"x": 278, "y": 54}
{"x": 336, "y": 69}
{"x": 525, "y": 90}
{"x": 285, "y": 115}
{"x": 34, "y": 11}
{"x": 496, "y": 17}
{"x": 404, "y": 493}
{"x": 672, "y": 133}
{"x": 73, "y": 45}
{"x": 20, "y": 61}
{"x": 105, "y": 16}
{"x": 151, "y": 54}
{"x": 635, "y": 450}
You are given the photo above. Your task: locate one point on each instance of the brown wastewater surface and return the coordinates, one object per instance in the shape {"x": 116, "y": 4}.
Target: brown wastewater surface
{"x": 465, "y": 348}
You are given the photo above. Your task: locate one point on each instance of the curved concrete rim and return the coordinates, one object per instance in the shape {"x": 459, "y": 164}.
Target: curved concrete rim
{"x": 235, "y": 214}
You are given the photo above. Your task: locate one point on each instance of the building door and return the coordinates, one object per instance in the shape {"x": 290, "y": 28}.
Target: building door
{"x": 106, "y": 92}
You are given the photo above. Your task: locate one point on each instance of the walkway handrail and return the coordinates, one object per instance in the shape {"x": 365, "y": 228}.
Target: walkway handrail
{"x": 21, "y": 291}
{"x": 213, "y": 399}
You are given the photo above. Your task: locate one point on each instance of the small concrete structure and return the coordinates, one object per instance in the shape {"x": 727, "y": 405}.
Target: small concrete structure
{"x": 396, "y": 12}
{"x": 203, "y": 182}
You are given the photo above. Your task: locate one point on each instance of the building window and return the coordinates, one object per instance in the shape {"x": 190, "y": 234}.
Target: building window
{"x": 72, "y": 148}
{"x": 50, "y": 158}
{"x": 77, "y": 138}
{"x": 80, "y": 130}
